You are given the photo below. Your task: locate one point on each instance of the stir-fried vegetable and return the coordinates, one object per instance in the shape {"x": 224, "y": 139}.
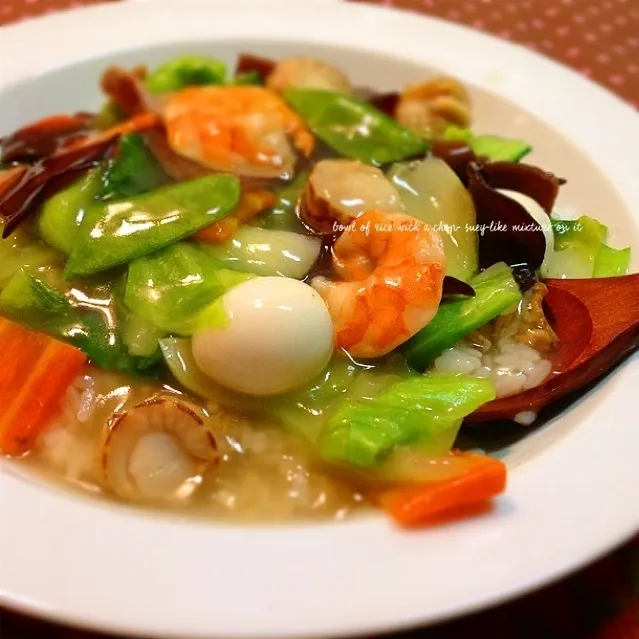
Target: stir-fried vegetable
{"x": 268, "y": 252}
{"x": 134, "y": 170}
{"x": 24, "y": 251}
{"x": 492, "y": 147}
{"x": 478, "y": 480}
{"x": 293, "y": 259}
{"x": 354, "y": 128}
{"x": 171, "y": 286}
{"x": 35, "y": 373}
{"x": 611, "y": 262}
{"x": 61, "y": 215}
{"x": 120, "y": 230}
{"x": 425, "y": 409}
{"x": 282, "y": 216}
{"x": 580, "y": 251}
{"x": 431, "y": 192}
{"x": 250, "y": 77}
{"x": 495, "y": 292}
{"x": 185, "y": 71}
{"x": 89, "y": 319}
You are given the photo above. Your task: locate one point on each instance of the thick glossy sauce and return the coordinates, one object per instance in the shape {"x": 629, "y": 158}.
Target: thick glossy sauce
{"x": 264, "y": 472}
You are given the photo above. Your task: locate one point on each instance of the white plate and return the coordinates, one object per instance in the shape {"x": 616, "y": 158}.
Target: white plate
{"x": 574, "y": 483}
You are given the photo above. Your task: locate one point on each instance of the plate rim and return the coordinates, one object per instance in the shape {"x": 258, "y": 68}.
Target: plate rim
{"x": 405, "y": 27}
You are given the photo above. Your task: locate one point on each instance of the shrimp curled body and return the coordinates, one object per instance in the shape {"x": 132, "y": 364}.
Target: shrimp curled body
{"x": 392, "y": 268}
{"x": 242, "y": 129}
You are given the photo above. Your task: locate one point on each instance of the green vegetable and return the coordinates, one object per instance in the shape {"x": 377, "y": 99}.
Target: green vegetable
{"x": 140, "y": 335}
{"x": 185, "y": 71}
{"x": 304, "y": 412}
{"x": 22, "y": 250}
{"x": 118, "y": 231}
{"x": 493, "y": 147}
{"x": 88, "y": 319}
{"x": 427, "y": 410}
{"x": 495, "y": 291}
{"x": 60, "y": 216}
{"x": 611, "y": 262}
{"x": 282, "y": 216}
{"x": 133, "y": 171}
{"x": 431, "y": 191}
{"x": 580, "y": 251}
{"x": 171, "y": 286}
{"x": 250, "y": 77}
{"x": 354, "y": 128}
{"x": 268, "y": 252}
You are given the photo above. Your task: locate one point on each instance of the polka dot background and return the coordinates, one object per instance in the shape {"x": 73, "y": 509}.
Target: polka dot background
{"x": 599, "y": 38}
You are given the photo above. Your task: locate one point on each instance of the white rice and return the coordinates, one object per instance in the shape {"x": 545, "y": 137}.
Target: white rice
{"x": 62, "y": 443}
{"x": 511, "y": 366}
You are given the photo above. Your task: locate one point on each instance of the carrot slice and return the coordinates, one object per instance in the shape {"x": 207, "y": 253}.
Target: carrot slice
{"x": 483, "y": 479}
{"x": 35, "y": 373}
{"x": 251, "y": 204}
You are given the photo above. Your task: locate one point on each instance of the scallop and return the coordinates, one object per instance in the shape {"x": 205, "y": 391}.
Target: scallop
{"x": 339, "y": 191}
{"x": 308, "y": 73}
{"x": 277, "y": 337}
{"x": 429, "y": 108}
{"x": 152, "y": 450}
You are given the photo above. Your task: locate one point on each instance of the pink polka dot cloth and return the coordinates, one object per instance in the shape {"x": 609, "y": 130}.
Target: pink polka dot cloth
{"x": 599, "y": 38}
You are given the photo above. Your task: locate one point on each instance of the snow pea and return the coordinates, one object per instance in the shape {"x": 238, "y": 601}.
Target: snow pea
{"x": 119, "y": 230}
{"x": 354, "y": 128}
{"x": 61, "y": 214}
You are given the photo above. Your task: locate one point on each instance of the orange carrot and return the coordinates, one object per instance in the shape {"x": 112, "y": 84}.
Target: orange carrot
{"x": 251, "y": 204}
{"x": 483, "y": 479}
{"x": 35, "y": 373}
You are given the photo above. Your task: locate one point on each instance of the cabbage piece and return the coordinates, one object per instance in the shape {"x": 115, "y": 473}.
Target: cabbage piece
{"x": 268, "y": 252}
{"x": 580, "y": 251}
{"x": 24, "y": 251}
{"x": 611, "y": 262}
{"x": 282, "y": 215}
{"x": 170, "y": 287}
{"x": 431, "y": 191}
{"x": 186, "y": 71}
{"x": 425, "y": 409}
{"x": 306, "y": 412}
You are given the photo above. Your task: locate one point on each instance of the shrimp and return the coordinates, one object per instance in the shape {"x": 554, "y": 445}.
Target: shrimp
{"x": 392, "y": 267}
{"x": 242, "y": 129}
